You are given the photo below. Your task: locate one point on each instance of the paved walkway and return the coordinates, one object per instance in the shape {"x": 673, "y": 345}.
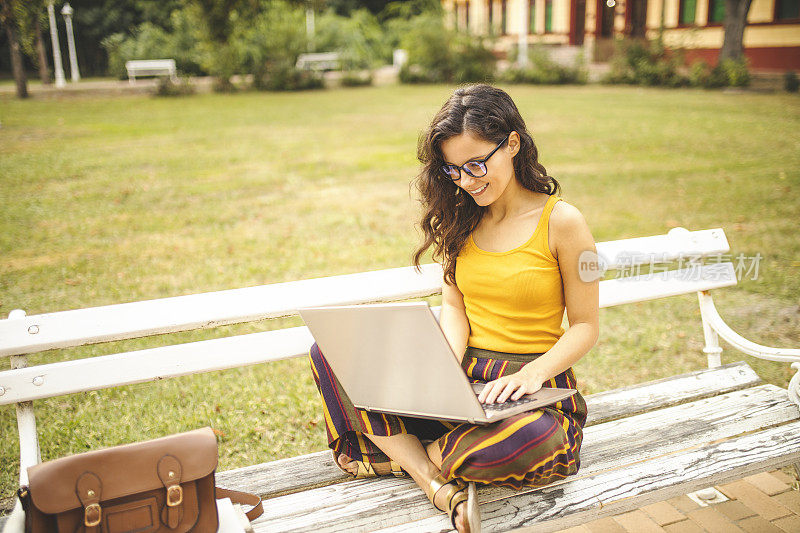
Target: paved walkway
{"x": 762, "y": 503}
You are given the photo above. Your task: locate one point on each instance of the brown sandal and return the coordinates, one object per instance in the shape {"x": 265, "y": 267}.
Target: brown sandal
{"x": 458, "y": 493}
{"x": 366, "y": 470}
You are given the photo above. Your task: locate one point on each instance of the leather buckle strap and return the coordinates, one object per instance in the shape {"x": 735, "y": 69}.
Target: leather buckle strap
{"x": 92, "y": 515}
{"x": 245, "y": 498}
{"x": 174, "y": 495}
{"x": 88, "y": 488}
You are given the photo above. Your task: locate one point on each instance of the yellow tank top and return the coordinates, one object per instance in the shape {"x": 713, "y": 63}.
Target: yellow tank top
{"x": 514, "y": 299}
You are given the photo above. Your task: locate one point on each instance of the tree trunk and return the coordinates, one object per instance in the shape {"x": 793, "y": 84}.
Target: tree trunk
{"x": 16, "y": 58}
{"x": 44, "y": 68}
{"x": 734, "y": 23}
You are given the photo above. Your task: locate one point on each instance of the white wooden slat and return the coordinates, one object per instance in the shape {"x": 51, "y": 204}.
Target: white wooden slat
{"x": 646, "y": 287}
{"x": 318, "y": 469}
{"x": 369, "y": 504}
{"x": 666, "y": 392}
{"x": 677, "y": 243}
{"x": 140, "y": 366}
{"x": 578, "y": 501}
{"x": 63, "y": 329}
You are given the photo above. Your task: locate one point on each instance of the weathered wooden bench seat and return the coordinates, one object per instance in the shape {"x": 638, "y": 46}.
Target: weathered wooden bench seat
{"x": 642, "y": 443}
{"x": 678, "y": 434}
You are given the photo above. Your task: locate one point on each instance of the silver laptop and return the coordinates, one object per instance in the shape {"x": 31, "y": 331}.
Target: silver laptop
{"x": 394, "y": 358}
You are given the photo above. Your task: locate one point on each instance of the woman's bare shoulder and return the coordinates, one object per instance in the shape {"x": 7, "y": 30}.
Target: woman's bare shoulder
{"x": 568, "y": 227}
{"x": 564, "y": 213}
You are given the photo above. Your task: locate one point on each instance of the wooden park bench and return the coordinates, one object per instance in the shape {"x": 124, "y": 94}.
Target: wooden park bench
{"x": 319, "y": 61}
{"x": 151, "y": 67}
{"x": 642, "y": 444}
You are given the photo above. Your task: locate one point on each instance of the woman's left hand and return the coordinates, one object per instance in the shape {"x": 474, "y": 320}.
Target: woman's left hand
{"x": 512, "y": 386}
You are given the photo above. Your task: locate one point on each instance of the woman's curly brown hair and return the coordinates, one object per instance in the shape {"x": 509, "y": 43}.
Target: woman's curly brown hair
{"x": 450, "y": 215}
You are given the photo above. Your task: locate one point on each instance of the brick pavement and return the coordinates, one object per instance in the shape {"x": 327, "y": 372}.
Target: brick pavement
{"x": 761, "y": 503}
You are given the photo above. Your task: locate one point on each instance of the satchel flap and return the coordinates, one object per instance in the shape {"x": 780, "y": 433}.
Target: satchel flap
{"x": 123, "y": 470}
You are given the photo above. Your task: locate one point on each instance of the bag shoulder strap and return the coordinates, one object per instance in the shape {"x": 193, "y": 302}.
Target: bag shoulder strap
{"x": 245, "y": 498}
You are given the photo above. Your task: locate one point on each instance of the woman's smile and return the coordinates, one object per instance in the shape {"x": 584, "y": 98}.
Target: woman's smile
{"x": 478, "y": 191}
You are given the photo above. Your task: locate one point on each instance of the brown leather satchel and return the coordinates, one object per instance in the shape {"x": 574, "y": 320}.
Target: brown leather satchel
{"x": 162, "y": 485}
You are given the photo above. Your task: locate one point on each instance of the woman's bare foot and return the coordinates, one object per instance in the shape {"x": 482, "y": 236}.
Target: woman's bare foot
{"x": 461, "y": 508}
{"x": 383, "y": 469}
{"x": 349, "y": 465}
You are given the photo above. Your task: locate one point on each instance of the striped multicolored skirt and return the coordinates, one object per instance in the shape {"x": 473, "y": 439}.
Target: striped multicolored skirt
{"x": 526, "y": 450}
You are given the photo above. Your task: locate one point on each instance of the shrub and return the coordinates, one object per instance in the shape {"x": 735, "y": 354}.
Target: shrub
{"x": 641, "y": 62}
{"x": 148, "y": 41}
{"x": 735, "y": 72}
{"x": 701, "y": 74}
{"x": 543, "y": 70}
{"x": 438, "y": 55}
{"x": 359, "y": 39}
{"x": 351, "y": 78}
{"x": 790, "y": 81}
{"x": 267, "y": 46}
{"x": 280, "y": 76}
{"x": 222, "y": 61}
{"x": 472, "y": 60}
{"x": 430, "y": 57}
{"x": 166, "y": 87}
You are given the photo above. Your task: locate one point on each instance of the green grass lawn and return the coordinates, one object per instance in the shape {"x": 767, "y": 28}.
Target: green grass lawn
{"x": 121, "y": 199}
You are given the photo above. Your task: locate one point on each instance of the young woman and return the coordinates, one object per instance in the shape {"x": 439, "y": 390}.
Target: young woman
{"x": 513, "y": 255}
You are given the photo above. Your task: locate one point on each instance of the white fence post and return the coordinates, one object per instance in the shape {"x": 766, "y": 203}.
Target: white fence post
{"x": 29, "y": 453}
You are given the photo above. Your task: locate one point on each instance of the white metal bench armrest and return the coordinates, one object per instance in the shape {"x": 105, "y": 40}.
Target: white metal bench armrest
{"x": 785, "y": 355}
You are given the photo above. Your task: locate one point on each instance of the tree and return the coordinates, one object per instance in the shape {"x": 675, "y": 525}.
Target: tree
{"x": 734, "y": 23}
{"x": 9, "y": 13}
{"x": 32, "y": 15}
{"x": 218, "y": 17}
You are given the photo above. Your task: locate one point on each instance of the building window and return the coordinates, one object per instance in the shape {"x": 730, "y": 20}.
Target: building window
{"x": 787, "y": 9}
{"x": 716, "y": 11}
{"x": 548, "y": 16}
{"x": 504, "y": 19}
{"x": 532, "y": 17}
{"x": 687, "y": 12}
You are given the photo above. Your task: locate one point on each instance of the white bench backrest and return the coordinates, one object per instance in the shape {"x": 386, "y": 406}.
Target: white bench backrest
{"x": 78, "y": 327}
{"x": 150, "y": 64}
{"x": 30, "y": 334}
{"x": 320, "y": 61}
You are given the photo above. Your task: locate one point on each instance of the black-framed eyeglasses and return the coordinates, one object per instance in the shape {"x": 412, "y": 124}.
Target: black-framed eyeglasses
{"x": 475, "y": 168}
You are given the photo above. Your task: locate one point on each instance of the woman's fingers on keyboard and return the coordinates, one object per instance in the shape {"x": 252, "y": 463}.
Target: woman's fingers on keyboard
{"x": 508, "y": 390}
{"x": 499, "y": 390}
{"x": 486, "y": 393}
{"x": 521, "y": 391}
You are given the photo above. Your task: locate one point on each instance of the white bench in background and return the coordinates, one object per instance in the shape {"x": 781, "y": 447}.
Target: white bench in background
{"x": 151, "y": 67}
{"x": 319, "y": 61}
{"x": 642, "y": 444}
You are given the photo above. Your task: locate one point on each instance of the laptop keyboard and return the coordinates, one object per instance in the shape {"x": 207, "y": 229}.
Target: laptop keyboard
{"x": 493, "y": 407}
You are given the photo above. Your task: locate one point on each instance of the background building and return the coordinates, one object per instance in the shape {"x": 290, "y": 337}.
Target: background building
{"x": 771, "y": 37}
